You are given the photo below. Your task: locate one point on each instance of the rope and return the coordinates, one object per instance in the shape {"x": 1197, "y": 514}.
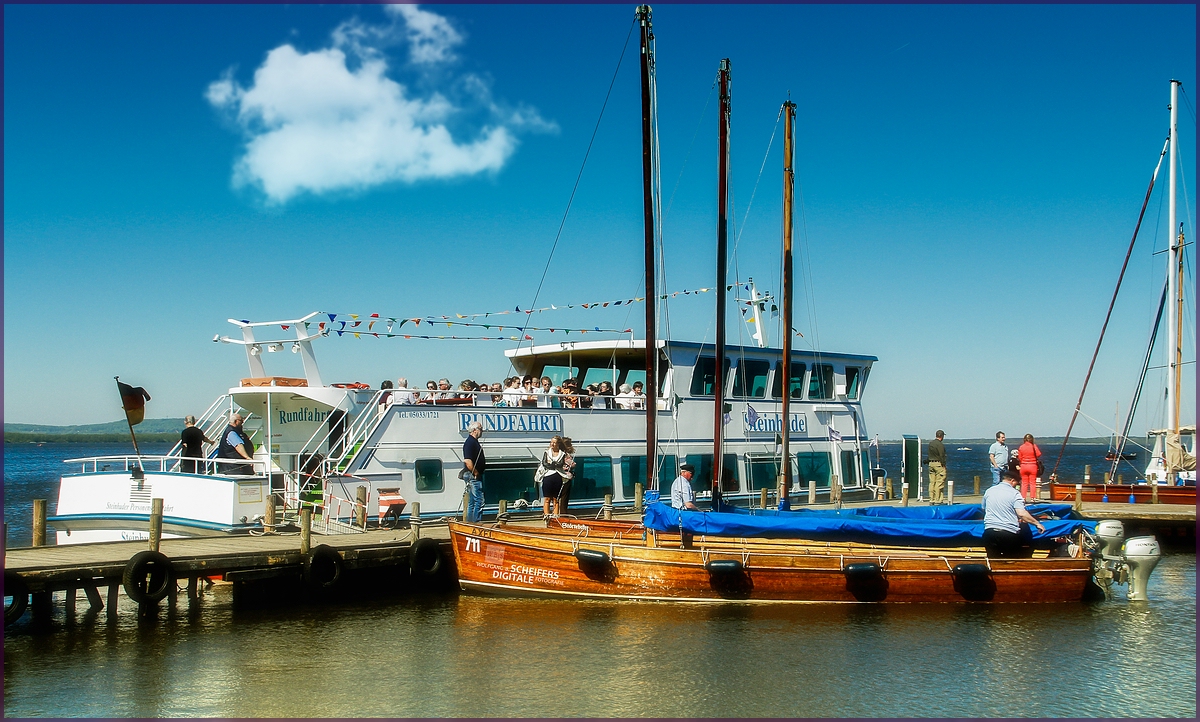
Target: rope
{"x": 1111, "y": 303}
{"x": 579, "y": 176}
{"x": 761, "y": 168}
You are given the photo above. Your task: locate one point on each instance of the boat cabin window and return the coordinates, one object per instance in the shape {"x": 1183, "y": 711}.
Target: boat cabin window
{"x": 855, "y": 377}
{"x": 703, "y": 377}
{"x": 763, "y": 473}
{"x": 429, "y": 475}
{"x": 813, "y": 465}
{"x": 750, "y": 378}
{"x": 795, "y": 383}
{"x": 849, "y": 469}
{"x": 820, "y": 386}
{"x": 558, "y": 374}
{"x": 509, "y": 481}
{"x": 593, "y": 477}
{"x": 702, "y": 481}
{"x": 596, "y": 374}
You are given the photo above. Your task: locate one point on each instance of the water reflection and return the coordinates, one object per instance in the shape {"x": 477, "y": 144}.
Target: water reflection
{"x": 452, "y": 655}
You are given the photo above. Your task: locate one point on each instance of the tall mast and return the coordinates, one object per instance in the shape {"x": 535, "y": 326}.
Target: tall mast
{"x": 789, "y": 183}
{"x": 722, "y": 243}
{"x": 1173, "y": 287}
{"x": 643, "y": 16}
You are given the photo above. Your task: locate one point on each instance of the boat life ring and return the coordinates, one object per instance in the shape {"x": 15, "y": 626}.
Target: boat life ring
{"x": 974, "y": 582}
{"x": 355, "y": 385}
{"x": 425, "y": 557}
{"x": 15, "y": 589}
{"x": 147, "y": 577}
{"x": 865, "y": 580}
{"x": 322, "y": 567}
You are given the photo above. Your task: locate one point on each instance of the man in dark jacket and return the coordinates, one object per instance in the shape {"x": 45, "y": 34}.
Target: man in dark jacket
{"x": 235, "y": 444}
{"x": 937, "y": 469}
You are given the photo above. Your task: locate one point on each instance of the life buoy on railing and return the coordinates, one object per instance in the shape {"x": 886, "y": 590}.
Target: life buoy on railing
{"x": 355, "y": 385}
{"x": 15, "y": 589}
{"x": 322, "y": 567}
{"x": 425, "y": 557}
{"x": 147, "y": 577}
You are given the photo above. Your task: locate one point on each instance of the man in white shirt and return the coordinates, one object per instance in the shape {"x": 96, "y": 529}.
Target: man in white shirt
{"x": 545, "y": 393}
{"x": 1003, "y": 512}
{"x": 998, "y": 455}
{"x": 625, "y": 399}
{"x": 403, "y": 395}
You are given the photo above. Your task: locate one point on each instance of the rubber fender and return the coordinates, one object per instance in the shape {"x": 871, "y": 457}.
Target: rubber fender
{"x": 15, "y": 588}
{"x": 147, "y": 577}
{"x": 865, "y": 580}
{"x": 322, "y": 567}
{"x": 723, "y": 566}
{"x": 974, "y": 582}
{"x": 592, "y": 556}
{"x": 425, "y": 557}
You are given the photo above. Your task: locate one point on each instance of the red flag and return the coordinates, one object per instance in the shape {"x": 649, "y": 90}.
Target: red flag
{"x": 133, "y": 399}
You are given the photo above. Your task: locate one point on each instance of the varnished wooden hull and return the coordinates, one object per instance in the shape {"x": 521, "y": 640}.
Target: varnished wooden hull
{"x": 516, "y": 561}
{"x": 1119, "y": 493}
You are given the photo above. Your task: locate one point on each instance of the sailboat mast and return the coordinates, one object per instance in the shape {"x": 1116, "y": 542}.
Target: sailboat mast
{"x": 722, "y": 242}
{"x": 643, "y": 16}
{"x": 789, "y": 183}
{"x": 1172, "y": 262}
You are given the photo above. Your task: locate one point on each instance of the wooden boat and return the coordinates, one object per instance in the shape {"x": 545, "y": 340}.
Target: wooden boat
{"x": 1119, "y": 493}
{"x": 1123, "y": 456}
{"x": 601, "y": 562}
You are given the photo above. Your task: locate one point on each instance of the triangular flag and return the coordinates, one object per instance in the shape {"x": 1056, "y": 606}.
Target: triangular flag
{"x": 331, "y": 316}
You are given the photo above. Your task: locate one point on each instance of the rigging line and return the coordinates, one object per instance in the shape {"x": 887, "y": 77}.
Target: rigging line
{"x": 699, "y": 120}
{"x": 1111, "y": 303}
{"x": 761, "y": 168}
{"x": 1187, "y": 204}
{"x": 1187, "y": 101}
{"x": 579, "y": 176}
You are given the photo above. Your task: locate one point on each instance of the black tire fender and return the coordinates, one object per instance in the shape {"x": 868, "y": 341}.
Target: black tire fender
{"x": 425, "y": 557}
{"x": 14, "y": 586}
{"x": 147, "y": 577}
{"x": 322, "y": 567}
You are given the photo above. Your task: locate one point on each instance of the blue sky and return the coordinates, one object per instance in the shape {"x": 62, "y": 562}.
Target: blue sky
{"x": 970, "y": 179}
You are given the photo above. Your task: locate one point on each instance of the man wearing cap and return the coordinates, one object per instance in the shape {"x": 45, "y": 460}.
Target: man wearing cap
{"x": 1003, "y": 512}
{"x": 937, "y": 469}
{"x": 682, "y": 495}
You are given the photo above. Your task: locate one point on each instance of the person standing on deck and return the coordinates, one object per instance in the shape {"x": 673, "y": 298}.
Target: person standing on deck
{"x": 475, "y": 462}
{"x": 192, "y": 440}
{"x": 235, "y": 444}
{"x": 682, "y": 494}
{"x": 937, "y": 469}
{"x": 1003, "y": 512}
{"x": 998, "y": 455}
{"x": 1029, "y": 454}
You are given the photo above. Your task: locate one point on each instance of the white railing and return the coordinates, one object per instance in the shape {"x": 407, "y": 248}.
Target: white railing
{"x": 337, "y": 515}
{"x": 168, "y": 463}
{"x": 525, "y": 400}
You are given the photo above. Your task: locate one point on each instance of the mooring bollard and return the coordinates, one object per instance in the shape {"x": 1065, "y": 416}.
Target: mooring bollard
{"x": 156, "y": 512}
{"x": 1078, "y": 497}
{"x": 889, "y": 492}
{"x": 415, "y": 519}
{"x": 466, "y": 507}
{"x": 1154, "y": 488}
{"x": 950, "y": 491}
{"x": 835, "y": 490}
{"x": 1120, "y": 478}
{"x": 39, "y": 522}
{"x": 360, "y": 506}
{"x": 1087, "y": 473}
{"x": 904, "y": 494}
{"x": 1107, "y": 477}
{"x": 976, "y": 485}
{"x": 812, "y": 492}
{"x": 762, "y": 498}
{"x": 638, "y": 496}
{"x": 269, "y": 518}
{"x": 305, "y": 530}
{"x": 607, "y": 508}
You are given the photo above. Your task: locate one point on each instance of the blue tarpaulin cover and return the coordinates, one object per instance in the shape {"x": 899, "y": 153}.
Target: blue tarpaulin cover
{"x": 770, "y": 524}
{"x": 964, "y": 512}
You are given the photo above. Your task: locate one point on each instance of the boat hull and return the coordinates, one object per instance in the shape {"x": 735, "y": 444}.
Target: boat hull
{"x": 547, "y": 563}
{"x": 1119, "y": 493}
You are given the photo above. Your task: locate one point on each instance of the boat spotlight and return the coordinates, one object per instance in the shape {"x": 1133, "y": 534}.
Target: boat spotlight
{"x": 296, "y": 347}
{"x": 255, "y": 350}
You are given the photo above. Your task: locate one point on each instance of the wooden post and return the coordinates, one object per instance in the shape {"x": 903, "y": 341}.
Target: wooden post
{"x": 1120, "y": 479}
{"x": 305, "y": 529}
{"x": 835, "y": 490}
{"x": 156, "y": 514}
{"x": 93, "y": 595}
{"x": 39, "y": 522}
{"x": 69, "y": 603}
{"x": 466, "y": 502}
{"x": 977, "y": 485}
{"x": 1154, "y": 488}
{"x": 638, "y": 494}
{"x": 607, "y": 509}
{"x": 890, "y": 492}
{"x": 1078, "y": 497}
{"x": 1087, "y": 473}
{"x": 1107, "y": 477}
{"x": 114, "y": 589}
{"x": 415, "y": 519}
{"x": 762, "y": 498}
{"x": 360, "y": 506}
{"x": 950, "y": 491}
{"x": 904, "y": 494}
{"x": 192, "y": 587}
{"x": 502, "y": 511}
{"x": 269, "y": 520}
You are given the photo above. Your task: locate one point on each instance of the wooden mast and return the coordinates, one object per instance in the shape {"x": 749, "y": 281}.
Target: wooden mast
{"x": 647, "y": 55}
{"x": 722, "y": 243}
{"x": 789, "y": 183}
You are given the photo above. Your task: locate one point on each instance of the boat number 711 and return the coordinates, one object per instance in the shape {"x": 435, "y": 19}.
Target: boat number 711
{"x": 472, "y": 544}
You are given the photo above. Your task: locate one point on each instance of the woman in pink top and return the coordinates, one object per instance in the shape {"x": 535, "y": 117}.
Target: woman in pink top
{"x": 1029, "y": 454}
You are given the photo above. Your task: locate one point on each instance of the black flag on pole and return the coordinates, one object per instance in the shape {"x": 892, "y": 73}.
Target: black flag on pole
{"x": 133, "y": 399}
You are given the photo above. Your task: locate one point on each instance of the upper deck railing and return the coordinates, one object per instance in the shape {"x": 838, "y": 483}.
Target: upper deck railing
{"x": 167, "y": 463}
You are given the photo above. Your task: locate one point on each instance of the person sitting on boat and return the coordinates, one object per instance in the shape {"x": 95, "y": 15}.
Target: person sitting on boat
{"x": 528, "y": 392}
{"x": 604, "y": 397}
{"x": 570, "y": 397}
{"x": 626, "y": 399}
{"x": 512, "y": 391}
{"x": 546, "y": 393}
{"x": 682, "y": 494}
{"x": 430, "y": 392}
{"x": 235, "y": 444}
{"x": 444, "y": 391}
{"x": 639, "y": 395}
{"x": 192, "y": 440}
{"x": 1029, "y": 454}
{"x": 1003, "y": 512}
{"x": 998, "y": 455}
{"x": 385, "y": 397}
{"x": 554, "y": 470}
{"x": 404, "y": 395}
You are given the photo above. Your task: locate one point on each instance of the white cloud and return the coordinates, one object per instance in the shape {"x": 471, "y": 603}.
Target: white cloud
{"x": 316, "y": 124}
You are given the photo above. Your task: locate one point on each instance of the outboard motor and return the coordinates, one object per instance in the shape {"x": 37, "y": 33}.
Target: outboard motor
{"x": 1110, "y": 532}
{"x": 1141, "y": 555}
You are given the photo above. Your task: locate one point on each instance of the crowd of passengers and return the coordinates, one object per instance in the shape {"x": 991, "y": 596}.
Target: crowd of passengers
{"x": 518, "y": 391}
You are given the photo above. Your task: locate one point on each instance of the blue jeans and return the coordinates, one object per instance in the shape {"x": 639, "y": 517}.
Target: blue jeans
{"x": 995, "y": 475}
{"x": 474, "y": 499}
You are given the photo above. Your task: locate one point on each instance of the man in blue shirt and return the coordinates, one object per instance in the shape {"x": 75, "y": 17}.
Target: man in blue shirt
{"x": 1003, "y": 512}
{"x": 682, "y": 494}
{"x": 475, "y": 462}
{"x": 998, "y": 455}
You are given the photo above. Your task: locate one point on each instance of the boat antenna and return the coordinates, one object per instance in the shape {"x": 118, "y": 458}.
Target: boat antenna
{"x": 1108, "y": 316}
{"x": 643, "y": 14}
{"x": 722, "y": 276}
{"x": 789, "y": 185}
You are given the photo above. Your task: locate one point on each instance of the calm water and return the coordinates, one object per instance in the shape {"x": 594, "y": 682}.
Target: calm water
{"x": 461, "y": 655}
